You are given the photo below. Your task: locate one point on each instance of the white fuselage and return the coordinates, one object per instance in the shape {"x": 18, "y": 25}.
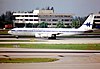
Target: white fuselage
{"x": 44, "y": 32}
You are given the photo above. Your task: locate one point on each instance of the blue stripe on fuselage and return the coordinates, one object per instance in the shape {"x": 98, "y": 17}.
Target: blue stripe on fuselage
{"x": 41, "y": 31}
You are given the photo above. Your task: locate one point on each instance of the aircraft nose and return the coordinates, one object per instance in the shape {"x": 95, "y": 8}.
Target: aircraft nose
{"x": 9, "y": 32}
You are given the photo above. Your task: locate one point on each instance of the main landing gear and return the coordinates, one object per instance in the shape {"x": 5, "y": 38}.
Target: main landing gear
{"x": 52, "y": 37}
{"x": 16, "y": 37}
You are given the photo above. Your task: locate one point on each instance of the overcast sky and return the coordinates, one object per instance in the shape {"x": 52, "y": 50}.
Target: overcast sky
{"x": 77, "y": 7}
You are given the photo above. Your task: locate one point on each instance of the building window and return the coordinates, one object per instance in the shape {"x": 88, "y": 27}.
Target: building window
{"x": 62, "y": 20}
{"x": 67, "y": 16}
{"x": 17, "y": 19}
{"x": 49, "y": 23}
{"x": 45, "y": 15}
{"x": 97, "y": 17}
{"x": 43, "y": 19}
{"x": 35, "y": 15}
{"x": 31, "y": 20}
{"x": 26, "y": 19}
{"x": 26, "y": 15}
{"x": 65, "y": 20}
{"x": 48, "y": 19}
{"x": 22, "y": 15}
{"x": 30, "y": 15}
{"x": 36, "y": 19}
{"x": 56, "y": 16}
{"x": 54, "y": 19}
{"x": 54, "y": 23}
{"x": 96, "y": 20}
{"x": 21, "y": 19}
{"x": 17, "y": 15}
{"x": 66, "y": 24}
{"x": 61, "y": 16}
{"x": 70, "y": 20}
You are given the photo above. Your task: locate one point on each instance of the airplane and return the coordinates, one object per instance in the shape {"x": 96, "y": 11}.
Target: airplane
{"x": 51, "y": 33}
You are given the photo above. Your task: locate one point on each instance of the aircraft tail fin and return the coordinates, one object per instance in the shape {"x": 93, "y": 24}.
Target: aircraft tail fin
{"x": 88, "y": 24}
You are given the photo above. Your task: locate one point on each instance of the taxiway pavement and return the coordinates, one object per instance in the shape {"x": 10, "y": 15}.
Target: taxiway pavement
{"x": 66, "y": 60}
{"x": 57, "y": 41}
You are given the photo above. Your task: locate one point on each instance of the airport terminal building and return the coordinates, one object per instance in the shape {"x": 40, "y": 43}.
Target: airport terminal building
{"x": 97, "y": 21}
{"x": 39, "y": 16}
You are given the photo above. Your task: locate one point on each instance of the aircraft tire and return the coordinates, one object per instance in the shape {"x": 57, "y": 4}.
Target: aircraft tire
{"x": 53, "y": 37}
{"x": 16, "y": 37}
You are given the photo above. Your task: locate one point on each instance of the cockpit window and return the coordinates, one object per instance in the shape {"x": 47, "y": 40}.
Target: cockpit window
{"x": 12, "y": 30}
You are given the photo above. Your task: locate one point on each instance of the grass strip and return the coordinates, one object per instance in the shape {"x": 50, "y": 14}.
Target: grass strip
{"x": 26, "y": 60}
{"x": 63, "y": 46}
{"x": 3, "y": 32}
{"x": 55, "y": 46}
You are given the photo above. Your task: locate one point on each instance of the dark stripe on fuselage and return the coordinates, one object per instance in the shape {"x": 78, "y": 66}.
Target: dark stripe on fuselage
{"x": 41, "y": 31}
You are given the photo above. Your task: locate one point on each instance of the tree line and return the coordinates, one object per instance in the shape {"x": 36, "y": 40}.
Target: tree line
{"x": 6, "y": 18}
